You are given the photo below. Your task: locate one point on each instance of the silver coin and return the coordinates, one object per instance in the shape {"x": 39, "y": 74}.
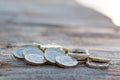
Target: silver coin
{"x": 35, "y": 59}
{"x": 66, "y": 61}
{"x": 32, "y": 50}
{"x": 18, "y": 52}
{"x": 52, "y": 54}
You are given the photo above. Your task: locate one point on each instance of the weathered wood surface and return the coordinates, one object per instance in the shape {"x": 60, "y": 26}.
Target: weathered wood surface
{"x": 62, "y": 22}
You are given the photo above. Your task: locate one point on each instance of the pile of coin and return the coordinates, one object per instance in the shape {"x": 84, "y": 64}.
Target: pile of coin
{"x": 55, "y": 54}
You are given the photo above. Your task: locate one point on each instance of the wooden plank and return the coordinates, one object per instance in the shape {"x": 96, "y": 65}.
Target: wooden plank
{"x": 62, "y": 22}
{"x": 20, "y": 70}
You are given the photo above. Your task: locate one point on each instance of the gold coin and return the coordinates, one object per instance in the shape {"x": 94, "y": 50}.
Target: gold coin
{"x": 99, "y": 59}
{"x": 93, "y": 64}
{"x": 66, "y": 61}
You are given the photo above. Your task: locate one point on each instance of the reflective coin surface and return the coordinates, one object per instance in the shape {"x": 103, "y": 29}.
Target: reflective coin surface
{"x": 32, "y": 50}
{"x": 34, "y": 59}
{"x": 51, "y": 54}
{"x": 18, "y": 52}
{"x": 66, "y": 61}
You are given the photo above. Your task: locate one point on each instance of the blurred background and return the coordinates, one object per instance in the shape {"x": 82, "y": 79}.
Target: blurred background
{"x": 71, "y": 23}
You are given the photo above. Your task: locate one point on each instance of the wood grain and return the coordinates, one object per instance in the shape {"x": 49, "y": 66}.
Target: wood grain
{"x": 62, "y": 22}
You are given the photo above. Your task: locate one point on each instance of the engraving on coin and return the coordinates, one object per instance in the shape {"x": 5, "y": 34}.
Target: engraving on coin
{"x": 66, "y": 61}
{"x": 34, "y": 59}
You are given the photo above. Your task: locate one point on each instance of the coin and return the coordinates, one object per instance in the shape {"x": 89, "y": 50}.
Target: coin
{"x": 100, "y": 65}
{"x": 18, "y": 52}
{"x": 66, "y": 61}
{"x": 44, "y": 47}
{"x": 35, "y": 59}
{"x": 77, "y": 50}
{"x": 79, "y": 56}
{"x": 99, "y": 59}
{"x": 52, "y": 53}
{"x": 32, "y": 50}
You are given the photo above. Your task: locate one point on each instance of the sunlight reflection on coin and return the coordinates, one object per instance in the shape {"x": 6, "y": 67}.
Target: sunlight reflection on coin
{"x": 66, "y": 61}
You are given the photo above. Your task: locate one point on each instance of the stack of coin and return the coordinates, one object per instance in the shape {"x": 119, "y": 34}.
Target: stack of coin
{"x": 55, "y": 54}
{"x": 83, "y": 56}
{"x": 31, "y": 54}
{"x": 18, "y": 52}
{"x": 79, "y": 54}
